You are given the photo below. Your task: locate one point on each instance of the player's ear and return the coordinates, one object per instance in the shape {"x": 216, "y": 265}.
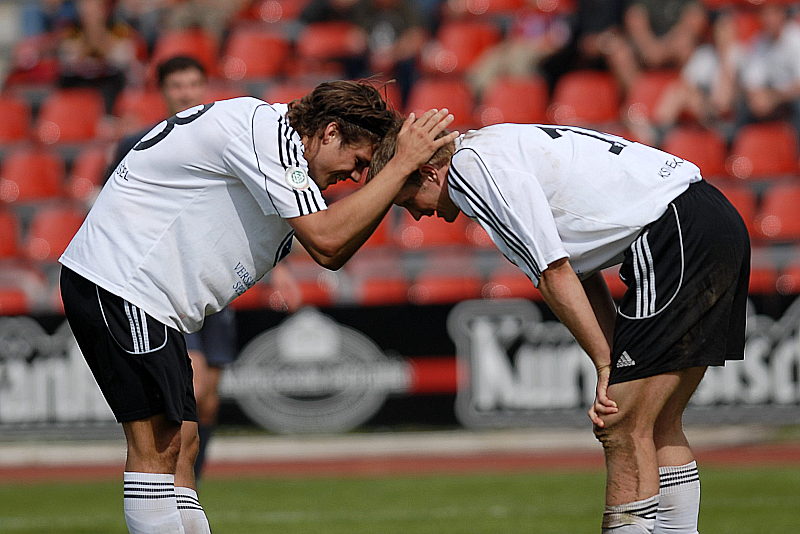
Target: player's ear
{"x": 330, "y": 133}
{"x": 429, "y": 173}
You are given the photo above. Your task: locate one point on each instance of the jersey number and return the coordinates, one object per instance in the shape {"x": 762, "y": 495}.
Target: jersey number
{"x": 554, "y": 133}
{"x": 171, "y": 123}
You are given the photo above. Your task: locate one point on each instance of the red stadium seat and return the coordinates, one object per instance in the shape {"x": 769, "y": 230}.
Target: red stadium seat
{"x": 744, "y": 200}
{"x": 764, "y": 280}
{"x": 435, "y": 93}
{"x": 275, "y": 11}
{"x": 520, "y": 100}
{"x": 22, "y": 287}
{"x": 747, "y": 22}
{"x": 88, "y": 172}
{"x": 9, "y": 235}
{"x": 13, "y": 301}
{"x": 16, "y": 119}
{"x": 330, "y": 40}
{"x": 458, "y": 45}
{"x": 704, "y": 148}
{"x": 442, "y": 287}
{"x": 51, "y": 230}
{"x": 763, "y": 151}
{"x": 31, "y": 175}
{"x": 477, "y": 236}
{"x": 430, "y": 232}
{"x": 253, "y": 54}
{"x": 285, "y": 92}
{"x": 493, "y": 7}
{"x": 194, "y": 43}
{"x": 140, "y": 108}
{"x": 382, "y": 291}
{"x": 585, "y": 97}
{"x": 508, "y": 281}
{"x": 224, "y": 92}
{"x": 645, "y": 94}
{"x": 779, "y": 217}
{"x": 69, "y": 116}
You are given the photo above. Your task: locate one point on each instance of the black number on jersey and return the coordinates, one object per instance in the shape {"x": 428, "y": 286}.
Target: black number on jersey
{"x": 555, "y": 132}
{"x": 171, "y": 123}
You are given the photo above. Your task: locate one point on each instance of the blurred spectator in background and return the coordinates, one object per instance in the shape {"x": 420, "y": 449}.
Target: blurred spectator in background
{"x": 97, "y": 51}
{"x": 771, "y": 72}
{"x": 328, "y": 11}
{"x": 595, "y": 26}
{"x": 395, "y": 37}
{"x": 659, "y": 34}
{"x": 145, "y": 16}
{"x": 316, "y": 11}
{"x": 45, "y": 16}
{"x": 213, "y": 16}
{"x": 707, "y": 88}
{"x": 532, "y": 37}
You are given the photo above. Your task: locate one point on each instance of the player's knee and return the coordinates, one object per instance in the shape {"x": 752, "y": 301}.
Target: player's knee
{"x": 621, "y": 433}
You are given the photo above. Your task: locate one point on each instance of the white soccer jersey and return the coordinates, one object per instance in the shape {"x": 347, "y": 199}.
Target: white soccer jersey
{"x": 546, "y": 192}
{"x": 195, "y": 214}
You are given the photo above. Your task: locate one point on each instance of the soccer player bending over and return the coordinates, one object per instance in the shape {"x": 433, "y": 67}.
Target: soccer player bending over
{"x": 198, "y": 211}
{"x": 562, "y": 203}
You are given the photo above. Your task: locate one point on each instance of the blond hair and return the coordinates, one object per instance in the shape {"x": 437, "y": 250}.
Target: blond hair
{"x": 388, "y": 146}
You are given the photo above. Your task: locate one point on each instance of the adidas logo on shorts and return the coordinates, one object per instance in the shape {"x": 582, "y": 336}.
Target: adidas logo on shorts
{"x": 625, "y": 360}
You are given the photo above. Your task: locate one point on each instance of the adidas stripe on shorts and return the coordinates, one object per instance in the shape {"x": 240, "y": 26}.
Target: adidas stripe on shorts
{"x": 140, "y": 364}
{"x": 687, "y": 275}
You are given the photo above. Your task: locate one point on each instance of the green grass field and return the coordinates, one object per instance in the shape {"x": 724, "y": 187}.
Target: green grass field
{"x": 735, "y": 501}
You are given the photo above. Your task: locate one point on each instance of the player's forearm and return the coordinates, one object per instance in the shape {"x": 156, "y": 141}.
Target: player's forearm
{"x": 332, "y": 236}
{"x": 602, "y": 304}
{"x": 563, "y": 292}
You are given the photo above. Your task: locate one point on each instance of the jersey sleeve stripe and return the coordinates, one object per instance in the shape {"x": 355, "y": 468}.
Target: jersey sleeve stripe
{"x": 291, "y": 147}
{"x": 488, "y": 173}
{"x": 299, "y": 204}
{"x": 512, "y": 241}
{"x": 308, "y": 204}
{"x": 314, "y": 200}
{"x": 280, "y": 145}
{"x": 479, "y": 214}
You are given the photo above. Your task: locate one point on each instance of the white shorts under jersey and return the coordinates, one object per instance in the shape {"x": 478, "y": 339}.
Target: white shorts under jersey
{"x": 195, "y": 214}
{"x": 546, "y": 192}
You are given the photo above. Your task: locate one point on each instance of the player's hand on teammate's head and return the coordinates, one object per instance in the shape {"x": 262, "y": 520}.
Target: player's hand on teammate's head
{"x": 418, "y": 138}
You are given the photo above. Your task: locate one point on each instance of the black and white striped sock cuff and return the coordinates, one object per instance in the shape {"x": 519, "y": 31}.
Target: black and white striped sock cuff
{"x": 148, "y": 491}
{"x": 187, "y": 499}
{"x": 674, "y": 479}
{"x": 639, "y": 512}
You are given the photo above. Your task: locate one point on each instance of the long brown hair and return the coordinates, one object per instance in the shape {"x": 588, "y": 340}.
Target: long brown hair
{"x": 357, "y": 107}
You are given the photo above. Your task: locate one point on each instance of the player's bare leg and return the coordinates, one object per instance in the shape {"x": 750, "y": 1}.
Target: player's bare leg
{"x": 149, "y": 497}
{"x": 679, "y": 497}
{"x": 192, "y": 514}
{"x": 153, "y": 445}
{"x": 206, "y": 381}
{"x": 632, "y": 482}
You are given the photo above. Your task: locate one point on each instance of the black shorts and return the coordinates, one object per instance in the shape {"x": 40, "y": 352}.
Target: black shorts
{"x": 217, "y": 339}
{"x": 140, "y": 364}
{"x": 687, "y": 275}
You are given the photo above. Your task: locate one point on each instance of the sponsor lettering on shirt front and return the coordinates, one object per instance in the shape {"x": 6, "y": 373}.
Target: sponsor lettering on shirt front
{"x": 246, "y": 280}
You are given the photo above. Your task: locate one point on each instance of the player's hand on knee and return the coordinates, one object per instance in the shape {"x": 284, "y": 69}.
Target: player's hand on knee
{"x": 602, "y": 405}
